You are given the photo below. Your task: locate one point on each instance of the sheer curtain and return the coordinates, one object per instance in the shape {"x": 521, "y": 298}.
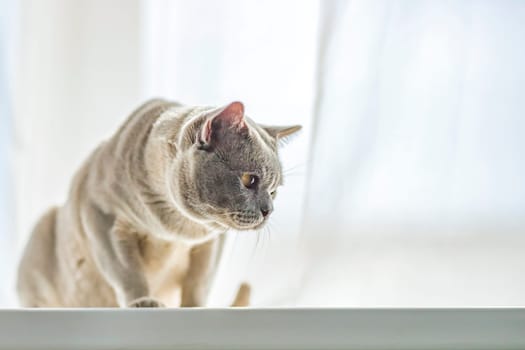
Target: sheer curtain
{"x": 416, "y": 193}
{"x": 405, "y": 187}
{"x": 7, "y": 238}
{"x": 77, "y": 77}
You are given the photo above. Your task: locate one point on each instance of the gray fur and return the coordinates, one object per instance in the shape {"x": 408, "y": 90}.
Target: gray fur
{"x": 146, "y": 212}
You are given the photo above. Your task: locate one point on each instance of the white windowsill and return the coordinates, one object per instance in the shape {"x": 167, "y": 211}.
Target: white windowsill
{"x": 311, "y": 328}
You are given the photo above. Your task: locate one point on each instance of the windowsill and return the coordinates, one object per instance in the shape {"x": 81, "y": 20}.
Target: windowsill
{"x": 310, "y": 328}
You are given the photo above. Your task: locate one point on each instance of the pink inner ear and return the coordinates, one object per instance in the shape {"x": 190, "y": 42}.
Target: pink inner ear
{"x": 232, "y": 116}
{"x": 206, "y": 131}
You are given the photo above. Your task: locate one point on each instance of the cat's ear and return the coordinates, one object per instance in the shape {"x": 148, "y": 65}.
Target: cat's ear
{"x": 230, "y": 117}
{"x": 282, "y": 133}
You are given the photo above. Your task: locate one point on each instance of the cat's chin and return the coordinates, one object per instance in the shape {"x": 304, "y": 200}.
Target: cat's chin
{"x": 246, "y": 227}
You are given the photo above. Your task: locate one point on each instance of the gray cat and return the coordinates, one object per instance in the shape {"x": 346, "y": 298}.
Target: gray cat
{"x": 146, "y": 215}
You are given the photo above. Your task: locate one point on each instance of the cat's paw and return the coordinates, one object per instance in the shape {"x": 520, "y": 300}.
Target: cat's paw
{"x": 146, "y": 302}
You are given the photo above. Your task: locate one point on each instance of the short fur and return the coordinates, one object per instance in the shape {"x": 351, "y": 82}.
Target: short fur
{"x": 144, "y": 221}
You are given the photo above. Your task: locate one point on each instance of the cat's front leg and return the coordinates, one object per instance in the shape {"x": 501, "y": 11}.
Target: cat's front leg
{"x": 203, "y": 264}
{"x": 115, "y": 248}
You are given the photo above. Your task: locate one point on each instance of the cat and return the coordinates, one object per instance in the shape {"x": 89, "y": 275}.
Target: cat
{"x": 144, "y": 222}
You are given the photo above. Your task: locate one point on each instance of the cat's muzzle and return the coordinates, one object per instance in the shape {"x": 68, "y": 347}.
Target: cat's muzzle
{"x": 246, "y": 221}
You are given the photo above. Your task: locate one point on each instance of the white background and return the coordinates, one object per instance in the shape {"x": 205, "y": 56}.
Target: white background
{"x": 406, "y": 185}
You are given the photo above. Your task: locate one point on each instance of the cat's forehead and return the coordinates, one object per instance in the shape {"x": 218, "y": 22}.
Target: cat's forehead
{"x": 255, "y": 153}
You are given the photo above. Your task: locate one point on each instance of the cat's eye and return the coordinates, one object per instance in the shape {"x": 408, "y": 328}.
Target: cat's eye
{"x": 273, "y": 193}
{"x": 249, "y": 180}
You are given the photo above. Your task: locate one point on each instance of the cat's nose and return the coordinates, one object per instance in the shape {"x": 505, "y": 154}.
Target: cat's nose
{"x": 265, "y": 211}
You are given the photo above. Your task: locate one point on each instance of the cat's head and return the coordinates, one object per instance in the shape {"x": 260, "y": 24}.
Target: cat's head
{"x": 227, "y": 169}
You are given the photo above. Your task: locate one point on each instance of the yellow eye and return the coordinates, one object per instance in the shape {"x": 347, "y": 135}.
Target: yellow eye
{"x": 249, "y": 180}
{"x": 273, "y": 193}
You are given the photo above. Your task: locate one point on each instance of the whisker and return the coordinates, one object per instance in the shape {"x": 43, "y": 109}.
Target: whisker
{"x": 294, "y": 168}
{"x": 294, "y": 174}
{"x": 267, "y": 235}
{"x": 270, "y": 227}
{"x": 235, "y": 240}
{"x": 298, "y": 165}
{"x": 254, "y": 250}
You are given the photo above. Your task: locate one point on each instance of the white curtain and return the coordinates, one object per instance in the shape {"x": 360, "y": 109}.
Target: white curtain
{"x": 7, "y": 238}
{"x": 405, "y": 187}
{"x": 416, "y": 193}
{"x": 76, "y": 78}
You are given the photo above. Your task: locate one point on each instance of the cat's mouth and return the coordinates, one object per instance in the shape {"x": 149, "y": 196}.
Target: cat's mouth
{"x": 244, "y": 223}
{"x": 246, "y": 227}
